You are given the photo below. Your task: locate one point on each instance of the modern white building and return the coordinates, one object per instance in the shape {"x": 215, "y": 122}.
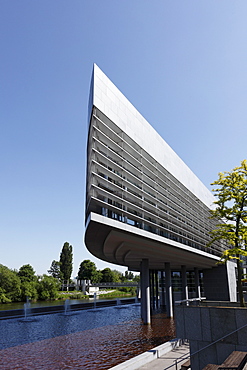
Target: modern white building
{"x": 145, "y": 209}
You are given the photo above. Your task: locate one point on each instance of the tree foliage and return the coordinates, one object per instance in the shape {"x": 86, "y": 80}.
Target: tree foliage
{"x": 3, "y": 296}
{"x": 88, "y": 271}
{"x": 48, "y": 287}
{"x": 137, "y": 278}
{"x": 128, "y": 275}
{"x": 18, "y": 285}
{"x": 108, "y": 276}
{"x": 28, "y": 279}
{"x": 66, "y": 258}
{"x": 29, "y": 290}
{"x": 231, "y": 211}
{"x": 26, "y": 273}
{"x": 55, "y": 270}
{"x": 10, "y": 285}
{"x": 117, "y": 276}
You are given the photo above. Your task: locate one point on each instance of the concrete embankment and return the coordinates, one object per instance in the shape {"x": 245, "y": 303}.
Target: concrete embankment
{"x": 158, "y": 358}
{"x": 44, "y": 310}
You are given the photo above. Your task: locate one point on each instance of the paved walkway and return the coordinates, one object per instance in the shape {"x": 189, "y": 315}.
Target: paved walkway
{"x": 167, "y": 361}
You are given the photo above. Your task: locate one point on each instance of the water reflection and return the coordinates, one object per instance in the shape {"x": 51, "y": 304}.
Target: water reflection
{"x": 88, "y": 340}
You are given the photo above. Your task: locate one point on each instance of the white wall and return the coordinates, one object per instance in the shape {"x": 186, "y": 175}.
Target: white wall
{"x": 110, "y": 101}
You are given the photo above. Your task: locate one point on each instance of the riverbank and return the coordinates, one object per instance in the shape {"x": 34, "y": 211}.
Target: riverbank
{"x": 73, "y": 296}
{"x": 70, "y": 305}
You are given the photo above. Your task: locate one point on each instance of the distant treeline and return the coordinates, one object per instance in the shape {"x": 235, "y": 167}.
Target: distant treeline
{"x": 18, "y": 285}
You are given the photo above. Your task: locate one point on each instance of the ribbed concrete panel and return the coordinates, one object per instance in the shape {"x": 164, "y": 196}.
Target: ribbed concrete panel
{"x": 110, "y": 101}
{"x": 142, "y": 201}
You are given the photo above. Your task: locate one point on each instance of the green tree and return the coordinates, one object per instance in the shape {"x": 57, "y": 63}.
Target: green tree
{"x": 137, "y": 278}
{"x": 118, "y": 276}
{"x": 28, "y": 289}
{"x": 48, "y": 287}
{"x": 3, "y": 297}
{"x": 231, "y": 211}
{"x": 66, "y": 257}
{"x": 97, "y": 277}
{"x": 55, "y": 270}
{"x": 128, "y": 275}
{"x": 10, "y": 285}
{"x": 88, "y": 271}
{"x": 26, "y": 273}
{"x": 108, "y": 276}
{"x": 28, "y": 282}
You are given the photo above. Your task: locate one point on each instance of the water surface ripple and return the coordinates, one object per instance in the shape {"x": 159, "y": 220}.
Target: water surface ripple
{"x": 82, "y": 340}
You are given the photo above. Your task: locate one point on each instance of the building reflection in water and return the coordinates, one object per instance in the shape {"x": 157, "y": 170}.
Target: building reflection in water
{"x": 97, "y": 346}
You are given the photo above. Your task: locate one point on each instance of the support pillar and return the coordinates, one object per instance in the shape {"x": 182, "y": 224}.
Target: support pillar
{"x": 156, "y": 289}
{"x": 145, "y": 293}
{"x": 197, "y": 283}
{"x": 185, "y": 294}
{"x": 169, "y": 303}
{"x": 162, "y": 289}
{"x": 141, "y": 289}
{"x": 152, "y": 290}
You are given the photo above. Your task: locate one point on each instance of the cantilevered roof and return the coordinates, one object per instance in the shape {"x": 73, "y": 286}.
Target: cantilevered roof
{"x": 122, "y": 244}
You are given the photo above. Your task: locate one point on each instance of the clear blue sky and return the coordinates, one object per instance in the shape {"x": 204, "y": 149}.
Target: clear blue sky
{"x": 183, "y": 65}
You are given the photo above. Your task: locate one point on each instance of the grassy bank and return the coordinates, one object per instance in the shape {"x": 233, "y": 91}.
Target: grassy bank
{"x": 102, "y": 294}
{"x": 62, "y": 296}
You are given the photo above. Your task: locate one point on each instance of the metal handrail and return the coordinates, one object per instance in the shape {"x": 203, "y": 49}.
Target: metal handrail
{"x": 191, "y": 300}
{"x": 182, "y": 358}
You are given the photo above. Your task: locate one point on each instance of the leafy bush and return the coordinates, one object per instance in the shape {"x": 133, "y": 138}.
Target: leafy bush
{"x": 3, "y": 298}
{"x": 47, "y": 287}
{"x": 28, "y": 289}
{"x": 10, "y": 285}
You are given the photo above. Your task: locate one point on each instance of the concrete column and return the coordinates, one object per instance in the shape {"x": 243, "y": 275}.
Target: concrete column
{"x": 145, "y": 294}
{"x": 197, "y": 283}
{"x": 162, "y": 289}
{"x": 185, "y": 294}
{"x": 152, "y": 292}
{"x": 141, "y": 289}
{"x": 157, "y": 289}
{"x": 169, "y": 303}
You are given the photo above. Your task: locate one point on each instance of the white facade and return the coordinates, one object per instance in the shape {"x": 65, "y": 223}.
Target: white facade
{"x": 142, "y": 200}
{"x": 110, "y": 101}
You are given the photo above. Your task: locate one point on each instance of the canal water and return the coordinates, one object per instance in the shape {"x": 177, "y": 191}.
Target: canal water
{"x": 92, "y": 339}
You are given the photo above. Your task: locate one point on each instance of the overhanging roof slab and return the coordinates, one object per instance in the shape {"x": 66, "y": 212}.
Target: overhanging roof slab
{"x": 125, "y": 245}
